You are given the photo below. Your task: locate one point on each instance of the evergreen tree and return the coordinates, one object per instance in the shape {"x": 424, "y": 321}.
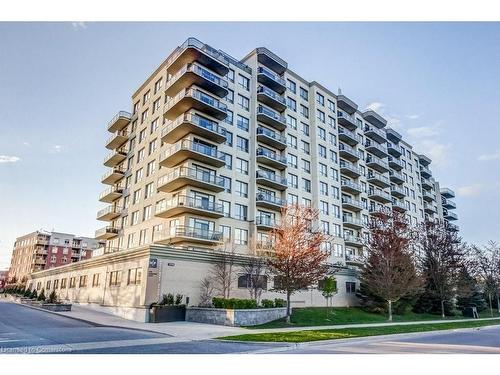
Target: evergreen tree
{"x": 469, "y": 292}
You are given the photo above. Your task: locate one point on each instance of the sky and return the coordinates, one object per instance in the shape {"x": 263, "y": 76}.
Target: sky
{"x": 438, "y": 84}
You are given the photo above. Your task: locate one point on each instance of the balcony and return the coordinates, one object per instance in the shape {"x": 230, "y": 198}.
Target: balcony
{"x": 375, "y": 149}
{"x": 271, "y": 118}
{"x": 193, "y": 50}
{"x": 427, "y": 183}
{"x": 194, "y": 98}
{"x": 191, "y": 123}
{"x": 195, "y": 74}
{"x": 351, "y": 204}
{"x": 449, "y": 204}
{"x": 378, "y": 179}
{"x": 183, "y": 176}
{"x": 428, "y": 196}
{"x": 453, "y": 227}
{"x": 117, "y": 140}
{"x": 350, "y": 187}
{"x": 425, "y": 172}
{"x": 430, "y": 209}
{"x": 424, "y": 160}
{"x": 374, "y": 133}
{"x": 349, "y": 137}
{"x": 399, "y": 206}
{"x": 379, "y": 196}
{"x": 271, "y": 80}
{"x": 271, "y": 159}
{"x": 349, "y": 169}
{"x": 346, "y": 120}
{"x": 113, "y": 176}
{"x": 270, "y": 179}
{"x": 271, "y": 138}
{"x": 378, "y": 164}
{"x": 183, "y": 233}
{"x": 269, "y": 201}
{"x": 272, "y": 61}
{"x": 351, "y": 240}
{"x": 392, "y": 135}
{"x": 115, "y": 157}
{"x": 265, "y": 222}
{"x": 346, "y": 104}
{"x": 111, "y": 194}
{"x": 374, "y": 118}
{"x": 448, "y": 215}
{"x": 349, "y": 153}
{"x": 398, "y": 192}
{"x": 183, "y": 204}
{"x": 271, "y": 98}
{"x": 355, "y": 260}
{"x": 109, "y": 213}
{"x": 447, "y": 193}
{"x": 352, "y": 222}
{"x": 396, "y": 177}
{"x": 119, "y": 122}
{"x": 394, "y": 150}
{"x": 187, "y": 149}
{"x": 395, "y": 163}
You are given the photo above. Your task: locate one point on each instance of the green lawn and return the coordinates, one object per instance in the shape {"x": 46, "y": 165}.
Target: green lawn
{"x": 343, "y": 333}
{"x": 317, "y": 316}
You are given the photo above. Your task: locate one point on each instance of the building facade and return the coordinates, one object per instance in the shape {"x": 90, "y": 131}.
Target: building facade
{"x": 42, "y": 250}
{"x": 214, "y": 147}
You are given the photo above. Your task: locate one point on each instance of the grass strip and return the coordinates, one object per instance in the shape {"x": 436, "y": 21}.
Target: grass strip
{"x": 344, "y": 333}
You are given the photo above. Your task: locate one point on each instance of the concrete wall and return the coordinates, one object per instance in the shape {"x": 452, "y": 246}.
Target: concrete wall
{"x": 228, "y": 317}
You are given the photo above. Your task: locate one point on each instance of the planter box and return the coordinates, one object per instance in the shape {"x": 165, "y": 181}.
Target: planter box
{"x": 162, "y": 314}
{"x": 56, "y": 306}
{"x": 234, "y": 318}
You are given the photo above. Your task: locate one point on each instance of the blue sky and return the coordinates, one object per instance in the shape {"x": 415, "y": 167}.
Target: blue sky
{"x": 60, "y": 83}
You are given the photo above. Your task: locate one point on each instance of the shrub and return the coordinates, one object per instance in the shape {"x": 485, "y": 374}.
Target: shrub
{"x": 41, "y": 296}
{"x": 52, "y": 297}
{"x": 168, "y": 299}
{"x": 279, "y": 302}
{"x": 34, "y": 294}
{"x": 27, "y": 293}
{"x": 178, "y": 299}
{"x": 267, "y": 303}
{"x": 234, "y": 303}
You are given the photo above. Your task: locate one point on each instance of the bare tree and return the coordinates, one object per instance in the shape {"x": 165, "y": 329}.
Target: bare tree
{"x": 486, "y": 262}
{"x": 441, "y": 256}
{"x": 207, "y": 292}
{"x": 297, "y": 260}
{"x": 256, "y": 272}
{"x": 223, "y": 270}
{"x": 389, "y": 271}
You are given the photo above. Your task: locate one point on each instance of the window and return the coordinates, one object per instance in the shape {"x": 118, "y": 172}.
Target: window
{"x": 241, "y": 189}
{"x": 83, "y": 281}
{"x": 226, "y": 207}
{"x": 146, "y": 213}
{"x": 304, "y": 94}
{"x": 229, "y": 117}
{"x": 323, "y": 188}
{"x": 292, "y": 86}
{"x": 115, "y": 278}
{"x": 148, "y": 190}
{"x": 140, "y": 155}
{"x": 135, "y": 218}
{"x": 305, "y": 128}
{"x": 240, "y": 236}
{"x": 134, "y": 276}
{"x": 306, "y": 166}
{"x": 322, "y": 133}
{"x": 320, "y": 115}
{"x": 146, "y": 97}
{"x": 229, "y": 139}
{"x": 292, "y": 160}
{"x": 230, "y": 75}
{"x": 320, "y": 99}
{"x": 306, "y": 184}
{"x": 56, "y": 284}
{"x": 226, "y": 232}
{"x": 242, "y": 123}
{"x": 350, "y": 287}
{"x": 304, "y": 111}
{"x": 246, "y": 281}
{"x": 152, "y": 147}
{"x": 151, "y": 168}
{"x": 291, "y": 104}
{"x": 95, "y": 280}
{"x": 243, "y": 102}
{"x": 293, "y": 181}
{"x": 306, "y": 148}
{"x": 136, "y": 197}
{"x": 240, "y": 211}
{"x": 227, "y": 183}
{"x": 322, "y": 151}
{"x": 242, "y": 166}
{"x": 158, "y": 85}
{"x": 47, "y": 285}
{"x": 292, "y": 141}
{"x": 228, "y": 160}
{"x": 291, "y": 122}
{"x": 230, "y": 96}
{"x": 156, "y": 105}
{"x": 244, "y": 82}
{"x": 63, "y": 283}
{"x": 144, "y": 116}
{"x": 331, "y": 106}
{"x": 72, "y": 282}
{"x": 242, "y": 143}
{"x": 292, "y": 199}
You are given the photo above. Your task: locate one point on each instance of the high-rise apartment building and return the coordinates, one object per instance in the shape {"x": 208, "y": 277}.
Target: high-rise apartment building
{"x": 212, "y": 150}
{"x": 42, "y": 250}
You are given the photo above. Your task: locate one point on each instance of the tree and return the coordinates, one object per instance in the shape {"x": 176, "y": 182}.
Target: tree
{"x": 468, "y": 291}
{"x": 41, "y": 296}
{"x": 328, "y": 290}
{"x": 256, "y": 274}
{"x": 207, "y": 292}
{"x": 440, "y": 255}
{"x": 389, "y": 271}
{"x": 223, "y": 271}
{"x": 297, "y": 260}
{"x": 486, "y": 268}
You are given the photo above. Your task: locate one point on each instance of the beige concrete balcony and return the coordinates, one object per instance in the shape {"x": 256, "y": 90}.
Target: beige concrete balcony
{"x": 191, "y": 123}
{"x": 351, "y": 204}
{"x": 352, "y": 222}
{"x": 428, "y": 196}
{"x": 195, "y": 74}
{"x": 378, "y": 179}
{"x": 182, "y": 233}
{"x": 111, "y": 194}
{"x": 271, "y": 98}
{"x": 447, "y": 193}
{"x": 192, "y": 50}
{"x": 269, "y": 201}
{"x": 115, "y": 157}
{"x": 109, "y": 213}
{"x": 349, "y": 153}
{"x": 378, "y": 164}
{"x": 447, "y": 203}
{"x": 346, "y": 120}
{"x": 375, "y": 133}
{"x": 271, "y": 138}
{"x": 425, "y": 172}
{"x": 351, "y": 240}
{"x": 395, "y": 164}
{"x": 396, "y": 177}
{"x": 351, "y": 187}
{"x": 265, "y": 223}
{"x": 374, "y": 118}
{"x": 271, "y": 159}
{"x": 119, "y": 122}
{"x": 398, "y": 192}
{"x": 394, "y": 149}
{"x": 346, "y": 104}
{"x": 270, "y": 79}
{"x": 270, "y": 179}
{"x": 183, "y": 204}
{"x": 355, "y": 260}
{"x": 269, "y": 117}
{"x": 427, "y": 183}
{"x": 185, "y": 176}
{"x": 197, "y": 99}
{"x": 113, "y": 176}
{"x": 349, "y": 137}
{"x": 431, "y": 209}
{"x": 271, "y": 60}
{"x": 117, "y": 140}
{"x": 107, "y": 233}
{"x": 376, "y": 149}
{"x": 187, "y": 149}
{"x": 448, "y": 215}
{"x": 379, "y": 196}
{"x": 349, "y": 169}
{"x": 399, "y": 206}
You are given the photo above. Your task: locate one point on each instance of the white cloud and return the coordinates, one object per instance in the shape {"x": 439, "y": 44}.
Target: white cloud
{"x": 55, "y": 149}
{"x": 437, "y": 152}
{"x": 27, "y": 144}
{"x": 375, "y": 106}
{"x": 413, "y": 117}
{"x": 78, "y": 25}
{"x": 9, "y": 159}
{"x": 422, "y": 132}
{"x": 470, "y": 190}
{"x": 489, "y": 157}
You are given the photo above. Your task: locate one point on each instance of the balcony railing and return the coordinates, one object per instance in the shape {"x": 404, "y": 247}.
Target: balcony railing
{"x": 349, "y": 185}
{"x": 351, "y": 151}
{"x": 268, "y": 73}
{"x": 271, "y": 155}
{"x": 353, "y": 239}
{"x": 198, "y": 70}
{"x": 187, "y": 144}
{"x": 267, "y": 221}
{"x": 194, "y": 174}
{"x": 377, "y": 161}
{"x": 272, "y": 94}
{"x": 352, "y": 220}
{"x": 270, "y": 134}
{"x": 188, "y": 232}
{"x": 108, "y": 210}
{"x": 377, "y": 176}
{"x": 274, "y": 116}
{"x": 271, "y": 177}
{"x": 189, "y": 202}
{"x": 381, "y": 194}
{"x": 349, "y": 136}
{"x": 346, "y": 120}
{"x": 352, "y": 202}
{"x": 350, "y": 167}
{"x": 107, "y": 231}
{"x": 119, "y": 121}
{"x": 201, "y": 122}
{"x": 372, "y": 130}
{"x": 200, "y": 96}
{"x": 268, "y": 198}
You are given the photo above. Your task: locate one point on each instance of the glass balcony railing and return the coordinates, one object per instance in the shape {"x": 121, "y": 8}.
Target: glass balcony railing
{"x": 350, "y": 150}
{"x": 381, "y": 194}
{"x": 351, "y": 185}
{"x": 199, "y": 95}
{"x": 271, "y": 155}
{"x": 270, "y": 134}
{"x": 193, "y": 42}
{"x": 115, "y": 170}
{"x": 199, "y": 70}
{"x": 189, "y": 202}
{"x": 350, "y": 134}
{"x": 197, "y": 120}
{"x": 270, "y": 113}
{"x": 373, "y": 129}
{"x": 372, "y": 159}
{"x": 272, "y": 94}
{"x": 352, "y": 202}
{"x": 265, "y": 221}
{"x": 346, "y": 116}
{"x": 349, "y": 166}
{"x": 268, "y": 198}
{"x": 268, "y": 73}
{"x": 352, "y": 220}
{"x": 271, "y": 177}
{"x": 189, "y": 232}
{"x": 378, "y": 176}
{"x": 106, "y": 231}
{"x": 194, "y": 174}
{"x": 187, "y": 144}
{"x": 122, "y": 116}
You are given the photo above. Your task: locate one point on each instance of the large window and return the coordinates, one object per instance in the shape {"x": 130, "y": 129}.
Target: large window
{"x": 115, "y": 278}
{"x": 350, "y": 287}
{"x": 134, "y": 276}
{"x": 240, "y": 236}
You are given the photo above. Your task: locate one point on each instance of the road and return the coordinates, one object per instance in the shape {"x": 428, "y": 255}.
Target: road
{"x": 27, "y": 330}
